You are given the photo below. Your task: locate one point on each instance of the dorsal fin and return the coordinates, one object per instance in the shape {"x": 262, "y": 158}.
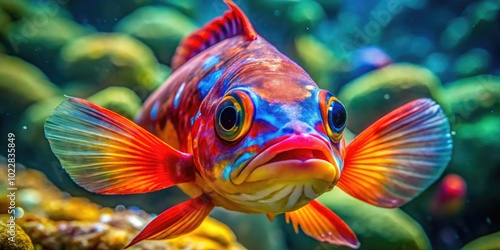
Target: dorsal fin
{"x": 234, "y": 22}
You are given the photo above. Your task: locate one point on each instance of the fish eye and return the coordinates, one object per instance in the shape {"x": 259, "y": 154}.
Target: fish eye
{"x": 234, "y": 116}
{"x": 335, "y": 116}
{"x": 229, "y": 117}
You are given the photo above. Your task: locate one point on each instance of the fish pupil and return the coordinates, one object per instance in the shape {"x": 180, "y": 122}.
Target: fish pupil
{"x": 228, "y": 117}
{"x": 337, "y": 115}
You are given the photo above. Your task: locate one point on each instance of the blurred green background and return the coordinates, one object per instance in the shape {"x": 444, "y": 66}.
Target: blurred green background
{"x": 375, "y": 55}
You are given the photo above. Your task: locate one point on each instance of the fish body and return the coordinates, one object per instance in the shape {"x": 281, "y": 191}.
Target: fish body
{"x": 286, "y": 99}
{"x": 241, "y": 126}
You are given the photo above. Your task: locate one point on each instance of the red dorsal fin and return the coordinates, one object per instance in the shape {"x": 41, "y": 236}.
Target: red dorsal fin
{"x": 233, "y": 23}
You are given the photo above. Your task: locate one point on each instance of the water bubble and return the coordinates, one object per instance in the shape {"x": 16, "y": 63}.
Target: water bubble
{"x": 18, "y": 212}
{"x": 488, "y": 220}
{"x": 24, "y": 127}
{"x": 120, "y": 208}
{"x": 453, "y": 133}
{"x": 387, "y": 96}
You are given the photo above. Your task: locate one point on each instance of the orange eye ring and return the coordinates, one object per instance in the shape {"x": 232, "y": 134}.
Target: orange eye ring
{"x": 334, "y": 116}
{"x": 234, "y": 116}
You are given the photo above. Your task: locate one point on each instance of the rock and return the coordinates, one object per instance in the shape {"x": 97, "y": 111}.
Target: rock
{"x": 22, "y": 84}
{"x": 110, "y": 60}
{"x": 39, "y": 38}
{"x": 318, "y": 60}
{"x": 33, "y": 192}
{"x": 54, "y": 220}
{"x": 49, "y": 234}
{"x": 491, "y": 241}
{"x": 471, "y": 98}
{"x": 161, "y": 28}
{"x": 376, "y": 93}
{"x": 376, "y": 228}
{"x": 210, "y": 235}
{"x": 71, "y": 209}
{"x": 118, "y": 99}
{"x": 21, "y": 240}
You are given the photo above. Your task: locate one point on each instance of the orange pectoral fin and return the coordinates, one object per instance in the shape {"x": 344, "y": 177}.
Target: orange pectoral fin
{"x": 109, "y": 154}
{"x": 176, "y": 221}
{"x": 398, "y": 156}
{"x": 322, "y": 224}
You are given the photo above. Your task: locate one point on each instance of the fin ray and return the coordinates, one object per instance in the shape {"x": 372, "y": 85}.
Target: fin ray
{"x": 234, "y": 22}
{"x": 399, "y": 155}
{"x": 176, "y": 221}
{"x": 321, "y": 223}
{"x": 109, "y": 154}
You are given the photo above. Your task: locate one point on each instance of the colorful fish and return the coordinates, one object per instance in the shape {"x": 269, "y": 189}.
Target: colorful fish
{"x": 240, "y": 126}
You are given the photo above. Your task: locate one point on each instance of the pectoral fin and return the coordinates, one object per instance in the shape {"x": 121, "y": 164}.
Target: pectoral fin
{"x": 176, "y": 221}
{"x": 109, "y": 154}
{"x": 398, "y": 156}
{"x": 322, "y": 224}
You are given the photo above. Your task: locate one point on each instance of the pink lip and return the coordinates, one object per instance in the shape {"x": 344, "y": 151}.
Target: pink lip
{"x": 283, "y": 160}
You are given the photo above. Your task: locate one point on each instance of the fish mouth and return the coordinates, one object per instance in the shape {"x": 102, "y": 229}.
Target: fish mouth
{"x": 296, "y": 158}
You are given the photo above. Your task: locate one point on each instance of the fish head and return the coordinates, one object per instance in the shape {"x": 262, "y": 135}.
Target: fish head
{"x": 275, "y": 146}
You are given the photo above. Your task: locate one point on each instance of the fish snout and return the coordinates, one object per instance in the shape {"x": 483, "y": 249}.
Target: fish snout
{"x": 304, "y": 159}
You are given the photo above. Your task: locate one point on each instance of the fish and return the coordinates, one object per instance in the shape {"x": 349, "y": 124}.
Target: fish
{"x": 239, "y": 125}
